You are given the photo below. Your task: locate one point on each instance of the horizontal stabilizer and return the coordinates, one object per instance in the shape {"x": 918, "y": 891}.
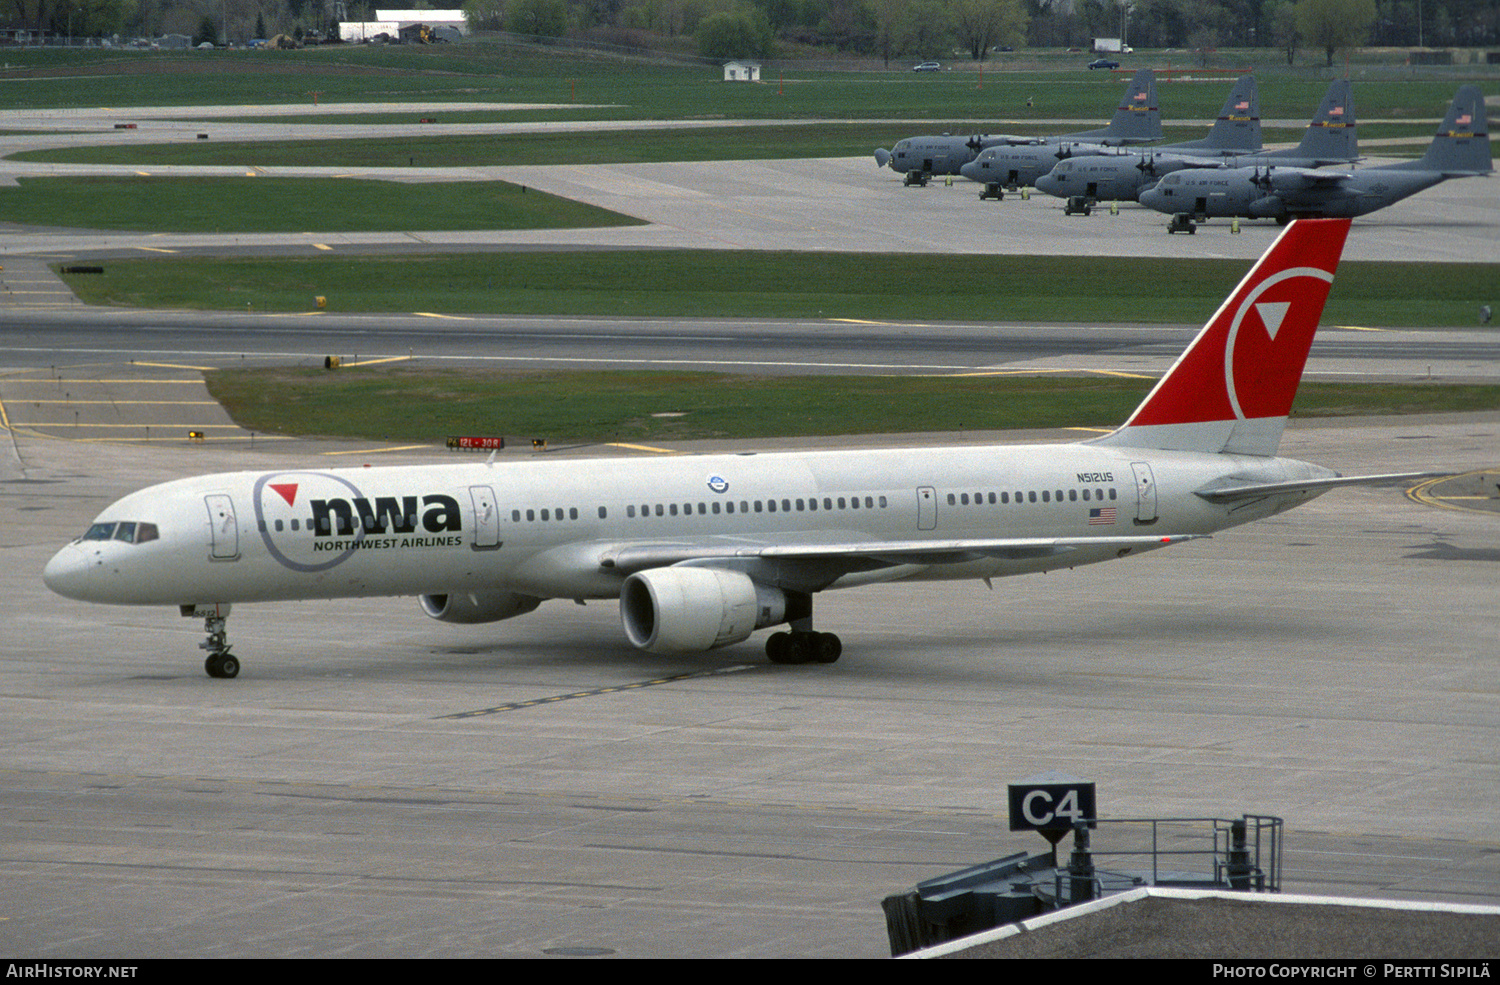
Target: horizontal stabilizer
{"x": 1235, "y": 494}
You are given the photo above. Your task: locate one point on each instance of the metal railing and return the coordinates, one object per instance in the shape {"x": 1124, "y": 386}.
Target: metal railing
{"x": 1208, "y": 852}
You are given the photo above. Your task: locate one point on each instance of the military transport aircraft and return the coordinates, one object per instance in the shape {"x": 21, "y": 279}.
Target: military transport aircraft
{"x": 1236, "y": 131}
{"x": 1461, "y": 148}
{"x": 701, "y": 551}
{"x": 1137, "y": 120}
{"x": 1121, "y": 175}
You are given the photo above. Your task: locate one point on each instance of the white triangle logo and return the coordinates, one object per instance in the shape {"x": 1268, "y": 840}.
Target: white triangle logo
{"x": 1271, "y": 315}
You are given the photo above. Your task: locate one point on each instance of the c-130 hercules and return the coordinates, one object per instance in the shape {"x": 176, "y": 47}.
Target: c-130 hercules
{"x": 1461, "y": 148}
{"x": 1137, "y": 120}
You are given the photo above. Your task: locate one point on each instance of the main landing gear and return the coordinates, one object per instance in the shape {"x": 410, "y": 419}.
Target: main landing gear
{"x": 220, "y": 662}
{"x": 802, "y": 645}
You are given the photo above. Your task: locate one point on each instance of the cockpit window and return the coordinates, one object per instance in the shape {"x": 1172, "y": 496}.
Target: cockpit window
{"x": 129, "y": 531}
{"x": 100, "y": 531}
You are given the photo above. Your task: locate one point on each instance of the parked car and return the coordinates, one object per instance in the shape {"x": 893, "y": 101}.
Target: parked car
{"x": 927, "y": 67}
{"x": 1103, "y": 63}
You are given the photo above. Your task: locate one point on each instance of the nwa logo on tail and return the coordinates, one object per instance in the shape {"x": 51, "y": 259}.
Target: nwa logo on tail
{"x": 342, "y": 520}
{"x": 1232, "y": 390}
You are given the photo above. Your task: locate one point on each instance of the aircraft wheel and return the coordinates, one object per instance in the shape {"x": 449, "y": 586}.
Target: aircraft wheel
{"x": 799, "y": 648}
{"x": 222, "y": 665}
{"x": 826, "y": 648}
{"x": 779, "y": 648}
{"x": 803, "y": 648}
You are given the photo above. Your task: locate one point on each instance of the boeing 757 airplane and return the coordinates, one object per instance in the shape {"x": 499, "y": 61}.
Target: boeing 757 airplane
{"x": 703, "y": 551}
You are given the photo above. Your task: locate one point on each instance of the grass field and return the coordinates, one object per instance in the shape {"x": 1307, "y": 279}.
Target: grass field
{"x": 770, "y": 142}
{"x": 1056, "y": 83}
{"x": 265, "y": 204}
{"x": 754, "y": 284}
{"x": 664, "y": 283}
{"x": 376, "y": 403}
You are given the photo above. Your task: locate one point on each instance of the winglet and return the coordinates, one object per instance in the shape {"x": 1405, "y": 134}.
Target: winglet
{"x": 1232, "y": 389}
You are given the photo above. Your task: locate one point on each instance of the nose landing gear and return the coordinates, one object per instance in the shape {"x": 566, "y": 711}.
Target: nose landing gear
{"x": 220, "y": 662}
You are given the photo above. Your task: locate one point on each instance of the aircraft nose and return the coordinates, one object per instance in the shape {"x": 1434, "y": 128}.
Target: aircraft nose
{"x": 882, "y": 157}
{"x": 68, "y": 573}
{"x": 1047, "y": 183}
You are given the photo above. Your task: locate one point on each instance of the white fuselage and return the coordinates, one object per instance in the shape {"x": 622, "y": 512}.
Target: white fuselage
{"x": 551, "y": 529}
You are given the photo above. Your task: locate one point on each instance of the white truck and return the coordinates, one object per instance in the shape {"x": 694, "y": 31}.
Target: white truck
{"x": 1111, "y": 45}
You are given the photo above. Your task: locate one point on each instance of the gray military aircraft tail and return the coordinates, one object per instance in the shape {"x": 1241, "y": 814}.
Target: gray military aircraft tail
{"x": 1235, "y": 131}
{"x": 1122, "y": 175}
{"x": 1137, "y": 120}
{"x": 1460, "y": 148}
{"x": 1332, "y": 136}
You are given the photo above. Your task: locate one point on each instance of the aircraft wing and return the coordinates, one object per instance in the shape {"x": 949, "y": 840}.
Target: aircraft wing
{"x": 1285, "y": 180}
{"x": 1255, "y": 490}
{"x": 865, "y": 555}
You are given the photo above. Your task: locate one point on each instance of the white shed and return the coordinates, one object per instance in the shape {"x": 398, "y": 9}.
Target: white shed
{"x": 742, "y": 71}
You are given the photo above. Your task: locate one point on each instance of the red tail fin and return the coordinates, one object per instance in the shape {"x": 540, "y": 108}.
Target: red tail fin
{"x": 1233, "y": 387}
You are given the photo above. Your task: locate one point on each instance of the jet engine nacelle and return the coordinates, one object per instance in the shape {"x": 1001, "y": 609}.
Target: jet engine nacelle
{"x": 1269, "y": 207}
{"x": 472, "y": 607}
{"x": 690, "y": 609}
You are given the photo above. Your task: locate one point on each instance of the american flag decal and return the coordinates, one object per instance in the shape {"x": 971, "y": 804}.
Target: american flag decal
{"x": 1102, "y": 516}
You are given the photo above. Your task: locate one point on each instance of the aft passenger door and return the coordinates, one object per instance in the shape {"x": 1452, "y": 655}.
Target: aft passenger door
{"x": 1145, "y": 493}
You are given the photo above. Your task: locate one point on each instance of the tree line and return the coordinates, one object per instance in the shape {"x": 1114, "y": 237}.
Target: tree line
{"x": 889, "y": 29}
{"x": 900, "y": 29}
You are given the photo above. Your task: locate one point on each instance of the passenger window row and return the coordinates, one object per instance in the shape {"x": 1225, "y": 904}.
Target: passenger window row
{"x": 806, "y": 504}
{"x": 810, "y": 504}
{"x": 570, "y": 513}
{"x": 1031, "y": 496}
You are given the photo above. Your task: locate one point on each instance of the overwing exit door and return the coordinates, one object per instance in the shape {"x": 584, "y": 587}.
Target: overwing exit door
{"x": 926, "y": 508}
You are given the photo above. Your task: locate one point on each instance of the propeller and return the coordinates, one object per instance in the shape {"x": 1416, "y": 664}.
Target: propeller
{"x": 1147, "y": 165}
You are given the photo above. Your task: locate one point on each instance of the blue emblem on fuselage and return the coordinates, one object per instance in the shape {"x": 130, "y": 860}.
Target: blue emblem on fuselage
{"x": 718, "y": 483}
